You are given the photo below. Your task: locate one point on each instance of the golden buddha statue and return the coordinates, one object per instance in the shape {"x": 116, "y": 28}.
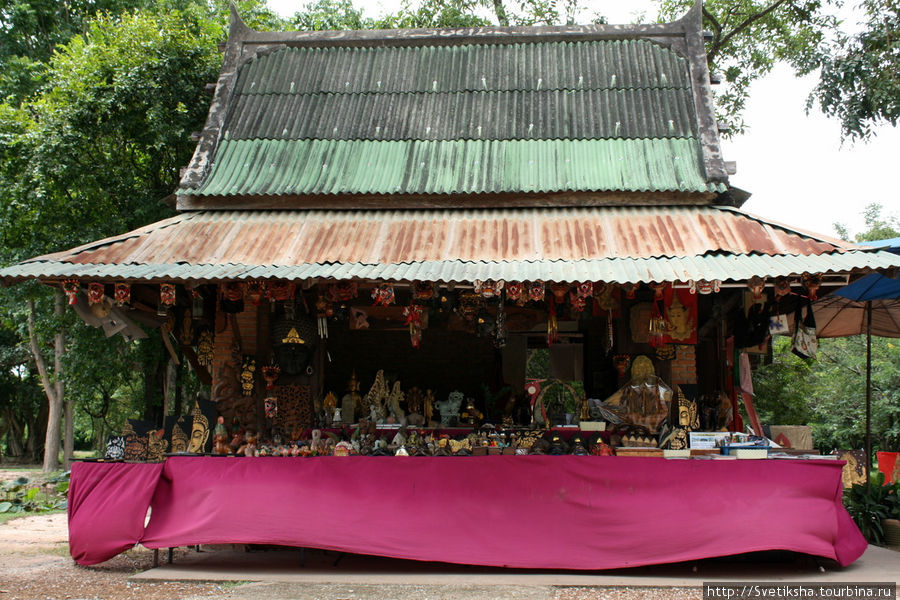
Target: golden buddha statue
{"x": 199, "y": 431}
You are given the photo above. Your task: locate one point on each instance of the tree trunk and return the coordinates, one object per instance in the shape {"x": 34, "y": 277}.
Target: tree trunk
{"x": 69, "y": 446}
{"x": 54, "y": 390}
{"x": 500, "y": 12}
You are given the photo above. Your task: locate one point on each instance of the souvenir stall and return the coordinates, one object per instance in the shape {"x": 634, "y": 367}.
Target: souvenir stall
{"x": 429, "y": 334}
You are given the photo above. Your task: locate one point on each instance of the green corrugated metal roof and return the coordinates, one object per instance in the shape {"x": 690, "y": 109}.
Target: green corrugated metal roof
{"x": 593, "y": 116}
{"x": 605, "y": 64}
{"x": 300, "y": 167}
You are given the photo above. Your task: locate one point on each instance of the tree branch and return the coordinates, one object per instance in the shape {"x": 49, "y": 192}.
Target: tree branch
{"x": 711, "y": 55}
{"x": 39, "y": 359}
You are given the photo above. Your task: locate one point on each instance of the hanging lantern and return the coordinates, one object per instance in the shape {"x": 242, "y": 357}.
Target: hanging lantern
{"x": 536, "y": 291}
{"x": 413, "y": 314}
{"x": 383, "y": 294}
{"x": 96, "y": 291}
{"x": 122, "y": 294}
{"x": 757, "y": 286}
{"x": 70, "y": 288}
{"x": 578, "y": 302}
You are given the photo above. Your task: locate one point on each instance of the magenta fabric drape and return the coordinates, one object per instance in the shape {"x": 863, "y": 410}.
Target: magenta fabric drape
{"x": 107, "y": 506}
{"x": 543, "y": 512}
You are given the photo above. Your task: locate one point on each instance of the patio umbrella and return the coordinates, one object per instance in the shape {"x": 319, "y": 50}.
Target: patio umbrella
{"x": 869, "y": 305}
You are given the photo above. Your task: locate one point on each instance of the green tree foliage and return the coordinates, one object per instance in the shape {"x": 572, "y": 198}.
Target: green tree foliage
{"x": 859, "y": 83}
{"x": 750, "y": 36}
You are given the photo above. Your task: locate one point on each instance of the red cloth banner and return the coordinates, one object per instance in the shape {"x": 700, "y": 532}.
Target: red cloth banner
{"x": 107, "y": 507}
{"x": 541, "y": 512}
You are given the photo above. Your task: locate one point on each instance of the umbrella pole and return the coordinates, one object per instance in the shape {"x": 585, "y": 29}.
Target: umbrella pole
{"x": 868, "y": 390}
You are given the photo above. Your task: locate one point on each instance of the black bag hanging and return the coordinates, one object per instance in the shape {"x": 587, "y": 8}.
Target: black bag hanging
{"x": 751, "y": 329}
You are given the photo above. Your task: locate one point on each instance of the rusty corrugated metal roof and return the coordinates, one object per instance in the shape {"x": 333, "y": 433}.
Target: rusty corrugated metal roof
{"x": 602, "y": 243}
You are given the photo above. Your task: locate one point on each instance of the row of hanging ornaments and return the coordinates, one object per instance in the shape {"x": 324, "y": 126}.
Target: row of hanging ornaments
{"x": 233, "y": 295}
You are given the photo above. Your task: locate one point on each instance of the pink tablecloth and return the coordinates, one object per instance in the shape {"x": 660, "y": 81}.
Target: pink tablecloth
{"x": 545, "y": 512}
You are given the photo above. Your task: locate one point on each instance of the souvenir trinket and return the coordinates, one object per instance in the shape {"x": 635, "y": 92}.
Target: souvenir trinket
{"x": 95, "y": 293}
{"x": 220, "y": 437}
{"x": 383, "y": 294}
{"x": 233, "y": 298}
{"x": 605, "y": 296}
{"x": 515, "y": 292}
{"x": 449, "y": 408}
{"x": 122, "y": 293}
{"x": 372, "y": 404}
{"x": 248, "y": 372}
{"x": 342, "y": 291}
{"x": 560, "y": 291}
{"x": 665, "y": 352}
{"x": 579, "y": 446}
{"x": 393, "y": 403}
{"x": 578, "y": 302}
{"x": 294, "y": 342}
{"x": 782, "y": 287}
{"x": 281, "y": 291}
{"x": 500, "y": 332}
{"x": 329, "y": 406}
{"x": 757, "y": 286}
{"x": 704, "y": 287}
{"x": 166, "y": 296}
{"x": 630, "y": 290}
{"x": 621, "y": 361}
{"x": 70, "y": 288}
{"x": 343, "y": 448}
{"x": 413, "y": 314}
{"x": 205, "y": 348}
{"x": 657, "y": 329}
{"x": 197, "y": 309}
{"x": 811, "y": 283}
{"x": 199, "y": 431}
{"x": 536, "y": 291}
{"x": 323, "y": 311}
{"x": 470, "y": 305}
{"x": 256, "y": 291}
{"x": 484, "y": 323}
{"x": 488, "y": 288}
{"x": 270, "y": 405}
{"x": 659, "y": 289}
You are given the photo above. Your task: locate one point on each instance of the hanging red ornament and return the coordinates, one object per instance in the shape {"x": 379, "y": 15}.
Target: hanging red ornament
{"x": 122, "y": 294}
{"x": 383, "y": 294}
{"x": 704, "y": 287}
{"x": 256, "y": 291}
{"x": 413, "y": 314}
{"x": 515, "y": 291}
{"x": 167, "y": 294}
{"x": 658, "y": 289}
{"x": 281, "y": 290}
{"x": 342, "y": 291}
{"x": 560, "y": 290}
{"x": 579, "y": 303}
{"x": 323, "y": 311}
{"x": 630, "y": 290}
{"x": 270, "y": 374}
{"x": 552, "y": 325}
{"x": 96, "y": 291}
{"x": 585, "y": 289}
{"x": 270, "y": 405}
{"x": 536, "y": 291}
{"x": 423, "y": 290}
{"x": 70, "y": 288}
